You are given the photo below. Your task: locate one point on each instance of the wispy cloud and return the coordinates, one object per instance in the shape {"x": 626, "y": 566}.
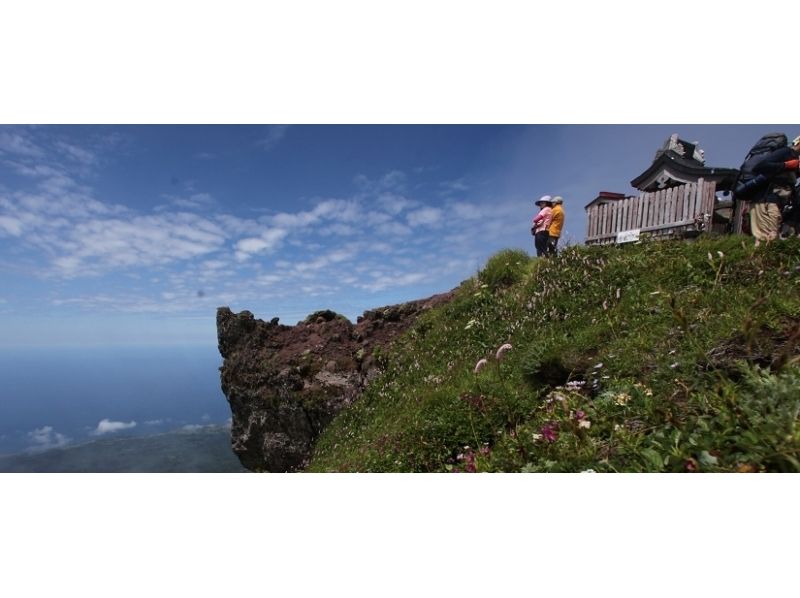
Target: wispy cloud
{"x": 46, "y": 438}
{"x": 77, "y": 154}
{"x": 266, "y": 242}
{"x": 425, "y": 217}
{"x": 272, "y": 136}
{"x": 194, "y": 427}
{"x": 107, "y": 426}
{"x": 394, "y": 180}
{"x": 195, "y": 201}
{"x": 19, "y": 144}
{"x": 454, "y": 186}
{"x": 10, "y": 226}
{"x": 191, "y": 254}
{"x": 102, "y": 244}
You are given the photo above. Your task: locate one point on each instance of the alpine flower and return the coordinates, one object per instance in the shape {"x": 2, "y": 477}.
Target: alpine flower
{"x": 549, "y": 432}
{"x": 479, "y": 365}
{"x": 501, "y": 350}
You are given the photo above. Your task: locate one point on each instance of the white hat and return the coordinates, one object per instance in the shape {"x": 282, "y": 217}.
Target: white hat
{"x": 558, "y": 199}
{"x": 543, "y": 198}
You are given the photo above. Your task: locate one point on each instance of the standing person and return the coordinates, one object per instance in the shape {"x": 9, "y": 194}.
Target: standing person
{"x": 557, "y": 223}
{"x": 791, "y": 216}
{"x": 780, "y": 169}
{"x": 540, "y": 224}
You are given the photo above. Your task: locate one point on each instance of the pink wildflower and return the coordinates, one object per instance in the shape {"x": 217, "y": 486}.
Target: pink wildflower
{"x": 479, "y": 365}
{"x": 501, "y": 350}
{"x": 549, "y": 432}
{"x": 580, "y": 414}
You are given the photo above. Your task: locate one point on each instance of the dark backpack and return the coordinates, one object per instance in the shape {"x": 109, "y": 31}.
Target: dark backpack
{"x": 748, "y": 184}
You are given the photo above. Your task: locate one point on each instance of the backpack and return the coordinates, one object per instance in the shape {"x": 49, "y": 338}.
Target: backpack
{"x": 748, "y": 184}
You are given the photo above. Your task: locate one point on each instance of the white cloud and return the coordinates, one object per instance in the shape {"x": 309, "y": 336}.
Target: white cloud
{"x": 196, "y": 201}
{"x": 193, "y": 428}
{"x": 382, "y": 281}
{"x": 393, "y": 180}
{"x": 78, "y": 154}
{"x": 45, "y": 438}
{"x": 14, "y": 143}
{"x": 10, "y": 226}
{"x": 425, "y": 216}
{"x": 102, "y": 244}
{"x": 393, "y": 204}
{"x": 272, "y": 136}
{"x": 236, "y": 226}
{"x": 107, "y": 426}
{"x": 455, "y": 186}
{"x": 467, "y": 211}
{"x": 333, "y": 257}
{"x": 154, "y": 422}
{"x": 393, "y": 229}
{"x": 268, "y": 241}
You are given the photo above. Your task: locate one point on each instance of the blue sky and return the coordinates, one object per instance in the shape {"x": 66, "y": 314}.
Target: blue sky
{"x": 114, "y": 235}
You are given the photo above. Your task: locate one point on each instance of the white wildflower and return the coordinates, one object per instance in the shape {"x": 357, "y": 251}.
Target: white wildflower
{"x": 584, "y": 423}
{"x": 479, "y": 365}
{"x": 501, "y": 350}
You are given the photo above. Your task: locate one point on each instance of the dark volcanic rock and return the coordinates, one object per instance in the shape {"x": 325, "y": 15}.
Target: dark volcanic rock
{"x": 284, "y": 384}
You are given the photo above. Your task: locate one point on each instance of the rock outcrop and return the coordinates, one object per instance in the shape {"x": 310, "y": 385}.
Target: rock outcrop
{"x": 284, "y": 384}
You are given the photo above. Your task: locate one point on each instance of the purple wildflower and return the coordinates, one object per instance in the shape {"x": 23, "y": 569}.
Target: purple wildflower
{"x": 549, "y": 432}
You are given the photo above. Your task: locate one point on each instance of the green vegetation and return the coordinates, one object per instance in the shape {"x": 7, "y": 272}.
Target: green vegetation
{"x": 662, "y": 356}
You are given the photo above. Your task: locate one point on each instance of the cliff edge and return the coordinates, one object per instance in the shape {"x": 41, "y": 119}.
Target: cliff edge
{"x": 284, "y": 384}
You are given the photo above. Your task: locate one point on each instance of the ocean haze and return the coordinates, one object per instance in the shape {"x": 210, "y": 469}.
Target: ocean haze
{"x": 203, "y": 450}
{"x": 56, "y": 398}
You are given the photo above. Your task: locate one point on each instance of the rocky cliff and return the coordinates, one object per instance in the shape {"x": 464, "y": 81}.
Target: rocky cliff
{"x": 284, "y": 384}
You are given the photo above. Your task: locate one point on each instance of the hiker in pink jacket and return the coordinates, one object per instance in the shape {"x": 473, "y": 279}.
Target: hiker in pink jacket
{"x": 540, "y": 224}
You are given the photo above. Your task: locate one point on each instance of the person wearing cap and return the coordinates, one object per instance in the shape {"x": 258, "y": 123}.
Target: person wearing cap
{"x": 540, "y": 224}
{"x": 780, "y": 167}
{"x": 556, "y": 224}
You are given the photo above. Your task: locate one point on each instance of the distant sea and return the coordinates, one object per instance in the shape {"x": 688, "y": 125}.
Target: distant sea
{"x": 113, "y": 409}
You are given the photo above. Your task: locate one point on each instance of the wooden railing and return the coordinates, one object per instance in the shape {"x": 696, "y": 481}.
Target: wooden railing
{"x": 667, "y": 212}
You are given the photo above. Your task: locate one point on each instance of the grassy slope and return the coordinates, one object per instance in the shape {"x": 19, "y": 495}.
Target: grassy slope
{"x": 681, "y": 357}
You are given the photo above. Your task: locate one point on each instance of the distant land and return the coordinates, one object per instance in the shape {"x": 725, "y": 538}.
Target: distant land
{"x": 205, "y": 450}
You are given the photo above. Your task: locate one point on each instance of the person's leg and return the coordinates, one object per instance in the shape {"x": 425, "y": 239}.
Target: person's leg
{"x": 541, "y": 243}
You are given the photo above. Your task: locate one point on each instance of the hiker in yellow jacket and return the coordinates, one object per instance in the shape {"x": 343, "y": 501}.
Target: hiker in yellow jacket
{"x": 556, "y": 224}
